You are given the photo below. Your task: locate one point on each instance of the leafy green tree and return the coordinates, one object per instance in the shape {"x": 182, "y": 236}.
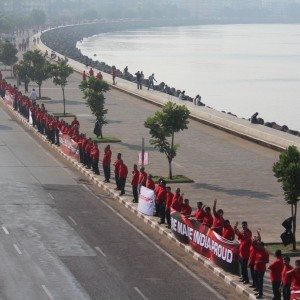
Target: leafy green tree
{"x": 287, "y": 171}
{"x": 93, "y": 90}
{"x": 40, "y": 68}
{"x": 23, "y": 69}
{"x": 60, "y": 73}
{"x": 8, "y": 54}
{"x": 163, "y": 126}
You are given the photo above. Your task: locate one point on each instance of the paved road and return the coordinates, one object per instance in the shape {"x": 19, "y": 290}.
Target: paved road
{"x": 60, "y": 241}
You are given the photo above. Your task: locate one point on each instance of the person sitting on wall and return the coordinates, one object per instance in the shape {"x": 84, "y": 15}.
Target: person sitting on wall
{"x": 253, "y": 119}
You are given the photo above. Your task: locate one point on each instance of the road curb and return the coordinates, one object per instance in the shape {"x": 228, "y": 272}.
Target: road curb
{"x": 228, "y": 278}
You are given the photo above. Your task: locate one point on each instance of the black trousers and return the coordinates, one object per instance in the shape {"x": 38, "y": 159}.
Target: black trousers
{"x": 106, "y": 170}
{"x": 252, "y": 272}
{"x": 260, "y": 281}
{"x": 122, "y": 182}
{"x": 95, "y": 166}
{"x": 276, "y": 290}
{"x": 168, "y": 216}
{"x": 161, "y": 207}
{"x": 117, "y": 181}
{"x": 88, "y": 161}
{"x": 135, "y": 193}
{"x": 286, "y": 292}
{"x": 244, "y": 269}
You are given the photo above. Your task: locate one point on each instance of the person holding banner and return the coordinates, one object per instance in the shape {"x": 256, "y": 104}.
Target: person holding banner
{"x": 217, "y": 225}
{"x": 143, "y": 177}
{"x": 123, "y": 172}
{"x": 150, "y": 183}
{"x": 208, "y": 218}
{"x": 106, "y": 163}
{"x": 198, "y": 214}
{"x": 185, "y": 208}
{"x": 177, "y": 200}
{"x": 135, "y": 183}
{"x": 245, "y": 239}
{"x": 227, "y": 231}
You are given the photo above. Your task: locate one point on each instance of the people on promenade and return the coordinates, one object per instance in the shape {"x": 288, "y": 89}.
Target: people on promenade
{"x": 99, "y": 76}
{"x": 33, "y": 96}
{"x": 251, "y": 260}
{"x": 177, "y": 200}
{"x": 227, "y": 231}
{"x": 125, "y": 71}
{"x": 84, "y": 76}
{"x": 245, "y": 238}
{"x": 106, "y": 163}
{"x": 135, "y": 183}
{"x": 207, "y": 218}
{"x": 138, "y": 80}
{"x": 285, "y": 279}
{"x": 182, "y": 95}
{"x": 186, "y": 209}
{"x": 198, "y": 214}
{"x": 254, "y": 119}
{"x": 276, "y": 269}
{"x": 151, "y": 80}
{"x": 114, "y": 74}
{"x": 160, "y": 201}
{"x": 143, "y": 177}
{"x": 91, "y": 72}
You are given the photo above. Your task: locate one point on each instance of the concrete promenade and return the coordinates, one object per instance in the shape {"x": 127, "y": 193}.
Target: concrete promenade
{"x": 235, "y": 171}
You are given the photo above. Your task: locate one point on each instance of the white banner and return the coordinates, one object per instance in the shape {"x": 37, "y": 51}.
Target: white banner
{"x": 146, "y": 201}
{"x": 30, "y": 118}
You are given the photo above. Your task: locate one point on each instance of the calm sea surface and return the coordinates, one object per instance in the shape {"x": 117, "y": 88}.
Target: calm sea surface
{"x": 237, "y": 68}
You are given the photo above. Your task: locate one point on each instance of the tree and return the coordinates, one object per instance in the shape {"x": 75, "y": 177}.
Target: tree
{"x": 163, "y": 125}
{"x": 60, "y": 73}
{"x": 40, "y": 68}
{"x": 8, "y": 55}
{"x": 36, "y": 17}
{"x": 287, "y": 171}
{"x": 93, "y": 90}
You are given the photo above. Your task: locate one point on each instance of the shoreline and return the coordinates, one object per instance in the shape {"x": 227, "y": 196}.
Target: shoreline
{"x": 54, "y": 39}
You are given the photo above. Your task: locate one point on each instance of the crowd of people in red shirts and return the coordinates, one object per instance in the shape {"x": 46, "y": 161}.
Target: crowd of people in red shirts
{"x": 252, "y": 253}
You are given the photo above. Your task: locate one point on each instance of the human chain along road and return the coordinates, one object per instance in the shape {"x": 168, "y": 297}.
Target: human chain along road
{"x": 70, "y": 242}
{"x": 228, "y": 278}
{"x": 260, "y": 134}
{"x": 235, "y": 171}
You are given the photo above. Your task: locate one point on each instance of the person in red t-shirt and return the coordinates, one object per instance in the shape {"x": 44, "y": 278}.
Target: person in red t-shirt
{"x": 116, "y": 165}
{"x": 160, "y": 203}
{"x": 95, "y": 153}
{"x": 135, "y": 183}
{"x": 227, "y": 231}
{"x": 143, "y": 177}
{"x": 198, "y": 214}
{"x": 294, "y": 277}
{"x": 261, "y": 259}
{"x": 74, "y": 123}
{"x": 251, "y": 261}
{"x": 286, "y": 280}
{"x": 123, "y": 172}
{"x": 170, "y": 196}
{"x": 217, "y": 225}
{"x": 177, "y": 200}
{"x": 87, "y": 153}
{"x": 208, "y": 218}
{"x": 106, "y": 163}
{"x": 245, "y": 238}
{"x": 276, "y": 269}
{"x": 150, "y": 183}
{"x": 185, "y": 208}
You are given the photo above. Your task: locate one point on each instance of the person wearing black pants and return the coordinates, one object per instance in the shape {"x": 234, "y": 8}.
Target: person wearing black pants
{"x": 276, "y": 269}
{"x": 261, "y": 259}
{"x": 161, "y": 202}
{"x": 123, "y": 172}
{"x": 135, "y": 184}
{"x": 106, "y": 163}
{"x": 286, "y": 280}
